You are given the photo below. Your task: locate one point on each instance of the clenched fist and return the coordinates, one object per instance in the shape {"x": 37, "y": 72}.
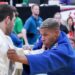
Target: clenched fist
{"x": 12, "y": 55}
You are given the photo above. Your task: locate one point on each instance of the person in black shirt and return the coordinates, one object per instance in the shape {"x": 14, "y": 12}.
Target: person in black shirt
{"x": 57, "y": 16}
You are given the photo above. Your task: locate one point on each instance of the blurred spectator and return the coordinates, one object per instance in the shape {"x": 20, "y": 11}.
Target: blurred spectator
{"x": 72, "y": 40}
{"x": 16, "y": 31}
{"x": 70, "y": 24}
{"x": 18, "y": 25}
{"x": 57, "y": 16}
{"x": 31, "y": 26}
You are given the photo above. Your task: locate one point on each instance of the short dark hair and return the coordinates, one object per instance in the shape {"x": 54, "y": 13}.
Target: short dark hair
{"x": 6, "y": 10}
{"x": 15, "y": 10}
{"x": 50, "y": 23}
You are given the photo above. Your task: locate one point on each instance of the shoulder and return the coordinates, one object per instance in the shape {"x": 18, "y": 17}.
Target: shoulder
{"x": 29, "y": 21}
{"x": 64, "y": 26}
{"x": 30, "y": 18}
{"x": 40, "y": 18}
{"x": 9, "y": 38}
{"x": 17, "y": 19}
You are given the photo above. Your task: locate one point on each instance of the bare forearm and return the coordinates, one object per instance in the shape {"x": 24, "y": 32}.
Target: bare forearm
{"x": 13, "y": 56}
{"x": 20, "y": 35}
{"x": 25, "y": 36}
{"x": 23, "y": 60}
{"x": 25, "y": 40}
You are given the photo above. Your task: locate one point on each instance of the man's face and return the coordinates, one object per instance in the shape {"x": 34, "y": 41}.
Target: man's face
{"x": 70, "y": 22}
{"x": 49, "y": 37}
{"x": 72, "y": 43}
{"x": 57, "y": 16}
{"x": 10, "y": 24}
{"x": 35, "y": 10}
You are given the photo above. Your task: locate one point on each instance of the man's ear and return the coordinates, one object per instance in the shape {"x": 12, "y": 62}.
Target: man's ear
{"x": 57, "y": 32}
{"x": 7, "y": 20}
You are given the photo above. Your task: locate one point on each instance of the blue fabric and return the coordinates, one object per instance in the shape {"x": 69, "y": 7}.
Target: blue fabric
{"x": 58, "y": 60}
{"x": 32, "y": 25}
{"x": 17, "y": 42}
{"x": 38, "y": 45}
{"x": 65, "y": 1}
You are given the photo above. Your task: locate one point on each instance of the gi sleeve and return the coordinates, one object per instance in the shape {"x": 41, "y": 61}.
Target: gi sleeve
{"x": 49, "y": 61}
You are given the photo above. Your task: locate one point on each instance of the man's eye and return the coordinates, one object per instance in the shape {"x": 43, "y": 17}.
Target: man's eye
{"x": 45, "y": 34}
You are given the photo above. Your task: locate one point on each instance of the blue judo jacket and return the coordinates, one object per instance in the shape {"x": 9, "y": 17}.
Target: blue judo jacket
{"x": 58, "y": 60}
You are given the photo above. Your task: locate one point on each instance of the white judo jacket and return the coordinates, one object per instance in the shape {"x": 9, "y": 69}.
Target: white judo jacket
{"x": 5, "y": 44}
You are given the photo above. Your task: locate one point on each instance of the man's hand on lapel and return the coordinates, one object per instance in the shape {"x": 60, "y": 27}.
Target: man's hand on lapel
{"x": 12, "y": 55}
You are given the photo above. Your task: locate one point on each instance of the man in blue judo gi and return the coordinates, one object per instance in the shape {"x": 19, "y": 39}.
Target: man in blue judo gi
{"x": 58, "y": 57}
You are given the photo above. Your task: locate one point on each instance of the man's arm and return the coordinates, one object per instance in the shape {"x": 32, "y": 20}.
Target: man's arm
{"x": 48, "y": 61}
{"x": 16, "y": 58}
{"x": 20, "y": 35}
{"x": 24, "y": 32}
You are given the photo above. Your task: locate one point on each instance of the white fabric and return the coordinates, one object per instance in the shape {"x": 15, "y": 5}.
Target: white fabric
{"x": 33, "y": 52}
{"x": 5, "y": 44}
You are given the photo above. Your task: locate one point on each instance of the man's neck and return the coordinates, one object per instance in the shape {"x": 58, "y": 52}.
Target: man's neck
{"x": 2, "y": 27}
{"x": 35, "y": 16}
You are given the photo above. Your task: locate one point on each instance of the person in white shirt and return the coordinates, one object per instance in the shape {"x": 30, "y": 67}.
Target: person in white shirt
{"x": 7, "y": 17}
